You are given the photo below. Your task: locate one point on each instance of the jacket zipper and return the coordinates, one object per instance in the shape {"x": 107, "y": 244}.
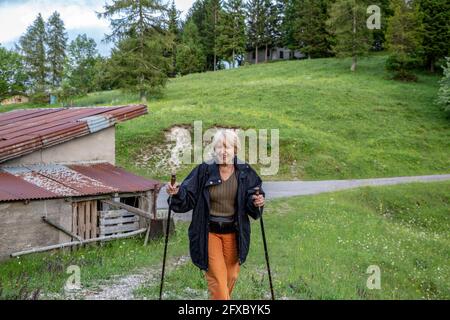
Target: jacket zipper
{"x": 207, "y": 220}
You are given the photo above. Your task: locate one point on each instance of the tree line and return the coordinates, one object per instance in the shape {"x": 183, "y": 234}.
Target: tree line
{"x": 44, "y": 63}
{"x": 152, "y": 43}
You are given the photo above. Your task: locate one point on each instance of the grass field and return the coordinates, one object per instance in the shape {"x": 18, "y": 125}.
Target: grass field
{"x": 333, "y": 124}
{"x": 320, "y": 248}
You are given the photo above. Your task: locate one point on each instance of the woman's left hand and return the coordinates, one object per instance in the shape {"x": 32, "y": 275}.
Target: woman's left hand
{"x": 258, "y": 201}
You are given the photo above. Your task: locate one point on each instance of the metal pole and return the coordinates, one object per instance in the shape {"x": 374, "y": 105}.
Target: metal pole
{"x": 172, "y": 182}
{"x": 265, "y": 245}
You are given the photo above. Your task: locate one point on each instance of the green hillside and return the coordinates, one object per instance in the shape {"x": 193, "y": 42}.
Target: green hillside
{"x": 333, "y": 124}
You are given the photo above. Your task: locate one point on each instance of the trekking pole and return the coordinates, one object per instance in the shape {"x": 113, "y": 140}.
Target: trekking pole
{"x": 265, "y": 245}
{"x": 172, "y": 182}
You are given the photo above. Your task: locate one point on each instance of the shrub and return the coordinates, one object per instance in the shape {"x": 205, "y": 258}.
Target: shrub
{"x": 444, "y": 91}
{"x": 401, "y": 65}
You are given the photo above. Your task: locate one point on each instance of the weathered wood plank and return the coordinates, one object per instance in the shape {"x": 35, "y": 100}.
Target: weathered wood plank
{"x": 74, "y": 219}
{"x": 114, "y": 213}
{"x": 81, "y": 216}
{"x": 128, "y": 208}
{"x": 87, "y": 219}
{"x": 119, "y": 220}
{"x": 94, "y": 221}
{"x": 120, "y": 228}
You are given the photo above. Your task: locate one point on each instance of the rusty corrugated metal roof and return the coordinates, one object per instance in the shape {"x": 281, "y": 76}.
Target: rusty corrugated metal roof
{"x": 24, "y": 131}
{"x": 14, "y": 188}
{"x": 115, "y": 176}
{"x": 48, "y": 181}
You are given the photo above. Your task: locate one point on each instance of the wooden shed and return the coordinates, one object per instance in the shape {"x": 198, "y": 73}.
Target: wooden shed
{"x": 14, "y": 100}
{"x": 59, "y": 183}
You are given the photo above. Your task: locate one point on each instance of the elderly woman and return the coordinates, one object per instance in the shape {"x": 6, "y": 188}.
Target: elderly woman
{"x": 221, "y": 193}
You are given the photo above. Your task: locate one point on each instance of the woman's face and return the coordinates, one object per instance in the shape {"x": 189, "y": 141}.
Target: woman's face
{"x": 225, "y": 152}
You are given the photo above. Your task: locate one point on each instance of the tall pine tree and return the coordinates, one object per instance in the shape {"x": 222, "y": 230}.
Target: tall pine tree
{"x": 231, "y": 40}
{"x": 32, "y": 46}
{"x": 270, "y": 18}
{"x": 310, "y": 32}
{"x": 174, "y": 29}
{"x": 56, "y": 52}
{"x": 289, "y": 15}
{"x": 277, "y": 19}
{"x": 348, "y": 24}
{"x": 256, "y": 28}
{"x": 190, "y": 54}
{"x": 197, "y": 15}
{"x": 82, "y": 59}
{"x": 141, "y": 61}
{"x": 379, "y": 35}
{"x": 213, "y": 9}
{"x": 436, "y": 24}
{"x": 404, "y": 38}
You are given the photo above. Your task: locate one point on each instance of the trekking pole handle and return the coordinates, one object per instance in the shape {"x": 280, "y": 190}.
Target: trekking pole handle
{"x": 257, "y": 192}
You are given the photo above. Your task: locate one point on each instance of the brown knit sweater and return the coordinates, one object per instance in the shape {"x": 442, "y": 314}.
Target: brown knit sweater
{"x": 223, "y": 196}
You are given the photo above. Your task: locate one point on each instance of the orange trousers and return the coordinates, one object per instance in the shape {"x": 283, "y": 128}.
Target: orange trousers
{"x": 223, "y": 265}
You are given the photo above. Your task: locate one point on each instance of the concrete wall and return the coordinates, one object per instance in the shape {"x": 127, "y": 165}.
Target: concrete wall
{"x": 274, "y": 54}
{"x": 22, "y": 228}
{"x": 98, "y": 146}
{"x": 261, "y": 55}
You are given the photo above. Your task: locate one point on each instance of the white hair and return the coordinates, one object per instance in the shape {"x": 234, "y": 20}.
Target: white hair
{"x": 229, "y": 136}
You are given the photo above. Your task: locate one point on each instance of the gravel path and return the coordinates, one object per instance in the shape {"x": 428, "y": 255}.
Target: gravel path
{"x": 122, "y": 287}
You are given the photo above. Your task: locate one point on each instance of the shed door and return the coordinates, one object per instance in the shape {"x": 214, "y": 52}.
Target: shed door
{"x": 85, "y": 219}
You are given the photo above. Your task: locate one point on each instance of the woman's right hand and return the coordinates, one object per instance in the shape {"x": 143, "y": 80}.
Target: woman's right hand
{"x": 172, "y": 190}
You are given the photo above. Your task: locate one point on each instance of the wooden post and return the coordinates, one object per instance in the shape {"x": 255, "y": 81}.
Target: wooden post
{"x": 154, "y": 200}
{"x": 76, "y": 243}
{"x": 94, "y": 219}
{"x": 81, "y": 216}
{"x": 87, "y": 220}
{"x": 131, "y": 209}
{"x": 60, "y": 228}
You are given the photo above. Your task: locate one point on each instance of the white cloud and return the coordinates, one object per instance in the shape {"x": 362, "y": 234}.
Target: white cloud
{"x": 17, "y": 15}
{"x": 183, "y": 6}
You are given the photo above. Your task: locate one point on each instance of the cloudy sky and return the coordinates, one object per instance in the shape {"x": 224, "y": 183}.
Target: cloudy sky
{"x": 78, "y": 15}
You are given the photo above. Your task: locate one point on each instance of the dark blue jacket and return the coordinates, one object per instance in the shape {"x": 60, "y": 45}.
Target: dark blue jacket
{"x": 194, "y": 195}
